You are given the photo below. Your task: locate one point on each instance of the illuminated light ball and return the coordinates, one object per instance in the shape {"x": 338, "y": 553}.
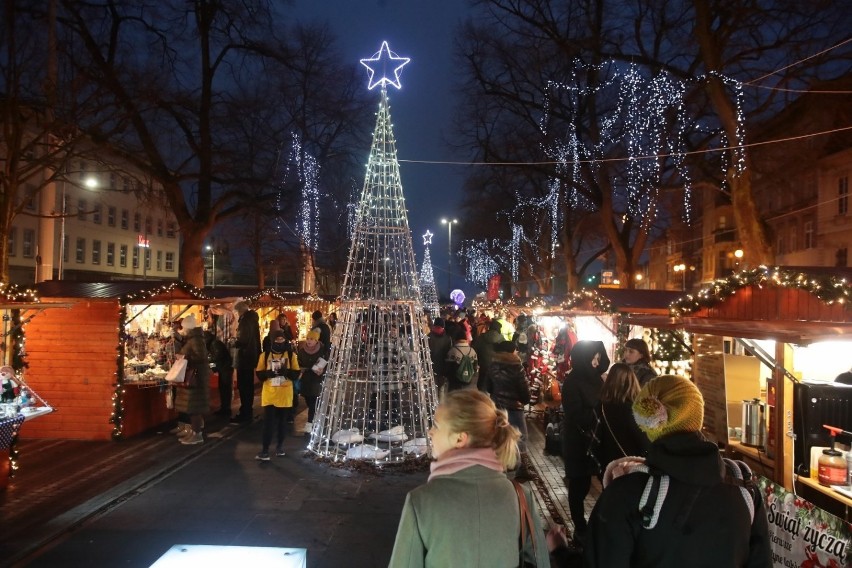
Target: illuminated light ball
{"x": 457, "y": 296}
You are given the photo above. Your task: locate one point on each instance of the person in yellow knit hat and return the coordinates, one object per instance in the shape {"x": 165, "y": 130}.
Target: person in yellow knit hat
{"x": 683, "y": 505}
{"x": 276, "y": 397}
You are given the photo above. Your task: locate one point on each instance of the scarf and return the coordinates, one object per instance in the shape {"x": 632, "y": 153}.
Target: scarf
{"x": 309, "y": 350}
{"x": 462, "y": 458}
{"x": 438, "y": 330}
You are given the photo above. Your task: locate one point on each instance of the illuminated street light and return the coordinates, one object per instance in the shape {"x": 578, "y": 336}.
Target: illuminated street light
{"x": 681, "y": 267}
{"x": 212, "y": 265}
{"x": 449, "y": 225}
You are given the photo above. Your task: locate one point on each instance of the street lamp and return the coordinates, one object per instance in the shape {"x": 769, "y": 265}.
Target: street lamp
{"x": 449, "y": 225}
{"x": 682, "y": 269}
{"x": 213, "y": 266}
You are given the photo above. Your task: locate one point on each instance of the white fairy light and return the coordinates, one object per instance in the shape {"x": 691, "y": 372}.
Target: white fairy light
{"x": 377, "y": 66}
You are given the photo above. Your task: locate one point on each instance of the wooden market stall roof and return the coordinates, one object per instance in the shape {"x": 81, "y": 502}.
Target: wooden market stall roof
{"x": 793, "y": 306}
{"x": 606, "y": 300}
{"x": 126, "y": 291}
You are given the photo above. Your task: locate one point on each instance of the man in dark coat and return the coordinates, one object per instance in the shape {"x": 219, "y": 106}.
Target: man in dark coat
{"x": 220, "y": 357}
{"x": 703, "y": 519}
{"x": 484, "y": 344}
{"x": 439, "y": 345}
{"x": 248, "y": 352}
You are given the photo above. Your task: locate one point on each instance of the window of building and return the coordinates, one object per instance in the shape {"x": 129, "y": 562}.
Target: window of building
{"x": 808, "y": 234}
{"x": 28, "y": 246}
{"x": 30, "y": 190}
{"x": 125, "y": 184}
{"x": 122, "y": 256}
{"x": 149, "y": 225}
{"x": 81, "y": 251}
{"x": 843, "y": 196}
{"x": 13, "y": 241}
{"x": 794, "y": 237}
{"x": 97, "y": 212}
{"x": 110, "y": 259}
{"x": 147, "y": 259}
{"x": 81, "y": 209}
{"x": 137, "y": 222}
{"x": 96, "y": 252}
{"x": 82, "y": 173}
{"x": 113, "y": 181}
{"x": 841, "y": 256}
{"x": 722, "y": 223}
{"x": 170, "y": 262}
{"x": 159, "y": 227}
{"x": 111, "y": 211}
{"x": 171, "y": 230}
{"x": 125, "y": 219}
{"x": 159, "y": 261}
{"x": 135, "y": 257}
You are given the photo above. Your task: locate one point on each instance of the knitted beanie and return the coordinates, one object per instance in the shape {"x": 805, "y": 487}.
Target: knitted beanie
{"x": 188, "y": 322}
{"x": 668, "y": 404}
{"x": 313, "y": 334}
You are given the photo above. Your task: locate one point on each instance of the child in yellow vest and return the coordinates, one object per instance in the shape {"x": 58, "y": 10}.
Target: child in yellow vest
{"x": 276, "y": 397}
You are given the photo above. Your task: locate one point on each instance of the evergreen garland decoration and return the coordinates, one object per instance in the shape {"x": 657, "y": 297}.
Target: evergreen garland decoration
{"x": 576, "y": 300}
{"x": 829, "y": 289}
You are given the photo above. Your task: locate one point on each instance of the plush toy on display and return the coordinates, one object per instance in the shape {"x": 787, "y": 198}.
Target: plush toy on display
{"x": 10, "y": 387}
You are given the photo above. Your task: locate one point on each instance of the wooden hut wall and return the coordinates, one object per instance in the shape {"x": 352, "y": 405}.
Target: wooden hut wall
{"x": 72, "y": 365}
{"x": 753, "y": 303}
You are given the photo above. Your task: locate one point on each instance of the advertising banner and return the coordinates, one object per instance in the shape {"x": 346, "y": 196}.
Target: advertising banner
{"x": 800, "y": 534}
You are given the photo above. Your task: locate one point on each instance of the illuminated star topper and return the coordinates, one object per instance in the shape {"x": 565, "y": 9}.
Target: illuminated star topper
{"x": 378, "y": 66}
{"x": 427, "y": 237}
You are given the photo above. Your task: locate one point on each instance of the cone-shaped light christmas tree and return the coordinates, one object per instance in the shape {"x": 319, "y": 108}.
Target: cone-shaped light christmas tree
{"x": 428, "y": 292}
{"x": 378, "y": 396}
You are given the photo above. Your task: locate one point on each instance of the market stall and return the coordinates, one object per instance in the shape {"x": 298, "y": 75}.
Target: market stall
{"x": 768, "y": 343}
{"x": 297, "y": 306}
{"x": 103, "y": 360}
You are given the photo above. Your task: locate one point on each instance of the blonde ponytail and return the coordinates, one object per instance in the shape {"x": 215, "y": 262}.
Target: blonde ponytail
{"x": 473, "y": 412}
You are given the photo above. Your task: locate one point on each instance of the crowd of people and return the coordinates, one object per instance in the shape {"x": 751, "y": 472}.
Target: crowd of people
{"x": 635, "y": 431}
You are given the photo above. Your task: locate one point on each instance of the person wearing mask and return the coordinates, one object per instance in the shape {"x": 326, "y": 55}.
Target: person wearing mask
{"x": 193, "y": 395}
{"x": 248, "y": 348}
{"x": 485, "y": 344}
{"x": 617, "y": 432}
{"x": 638, "y": 356}
{"x": 468, "y": 512}
{"x": 703, "y": 518}
{"x": 276, "y": 395}
{"x": 581, "y": 393}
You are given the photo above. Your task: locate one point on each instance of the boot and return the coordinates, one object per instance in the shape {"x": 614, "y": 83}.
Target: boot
{"x": 182, "y": 429}
{"x": 192, "y": 439}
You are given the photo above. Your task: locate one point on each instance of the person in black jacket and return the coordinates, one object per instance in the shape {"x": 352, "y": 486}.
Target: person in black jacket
{"x": 248, "y": 352}
{"x": 703, "y": 519}
{"x": 581, "y": 392}
{"x": 510, "y": 391}
{"x": 220, "y": 358}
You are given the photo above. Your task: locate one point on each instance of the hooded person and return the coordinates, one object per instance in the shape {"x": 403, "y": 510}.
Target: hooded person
{"x": 581, "y": 392}
{"x": 700, "y": 511}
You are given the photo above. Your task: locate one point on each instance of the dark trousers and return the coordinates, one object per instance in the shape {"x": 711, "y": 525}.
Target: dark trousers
{"x": 578, "y": 488}
{"x": 311, "y": 401}
{"x": 226, "y": 389}
{"x": 245, "y": 386}
{"x": 274, "y": 419}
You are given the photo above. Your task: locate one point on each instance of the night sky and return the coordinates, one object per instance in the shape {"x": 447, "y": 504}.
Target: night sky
{"x": 422, "y": 110}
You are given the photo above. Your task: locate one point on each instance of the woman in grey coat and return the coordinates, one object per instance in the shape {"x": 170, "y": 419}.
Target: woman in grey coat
{"x": 194, "y": 399}
{"x": 467, "y": 514}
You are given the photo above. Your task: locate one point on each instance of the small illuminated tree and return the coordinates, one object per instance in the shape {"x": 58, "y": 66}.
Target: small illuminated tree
{"x": 427, "y": 279}
{"x": 378, "y": 396}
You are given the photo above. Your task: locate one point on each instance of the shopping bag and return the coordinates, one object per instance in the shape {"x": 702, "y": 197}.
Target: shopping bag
{"x": 177, "y": 371}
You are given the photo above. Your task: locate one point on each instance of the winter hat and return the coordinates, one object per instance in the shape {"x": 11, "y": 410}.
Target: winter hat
{"x": 275, "y": 334}
{"x": 313, "y": 334}
{"x": 505, "y": 347}
{"x": 668, "y": 404}
{"x": 439, "y": 322}
{"x": 188, "y": 323}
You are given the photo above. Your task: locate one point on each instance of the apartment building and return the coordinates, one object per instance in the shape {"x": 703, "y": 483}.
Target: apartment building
{"x": 113, "y": 225}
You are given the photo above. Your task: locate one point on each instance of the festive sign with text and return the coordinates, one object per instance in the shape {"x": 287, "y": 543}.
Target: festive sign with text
{"x": 800, "y": 534}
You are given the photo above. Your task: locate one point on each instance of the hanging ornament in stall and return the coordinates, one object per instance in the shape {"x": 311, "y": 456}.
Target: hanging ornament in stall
{"x": 378, "y": 395}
